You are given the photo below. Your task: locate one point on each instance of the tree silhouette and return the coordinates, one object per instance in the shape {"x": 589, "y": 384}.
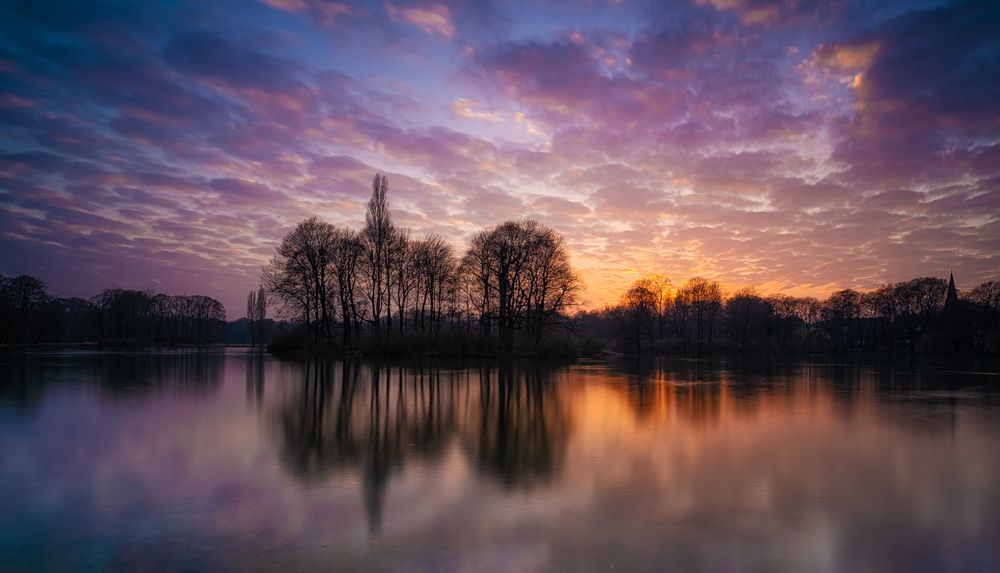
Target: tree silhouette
{"x": 703, "y": 299}
{"x": 378, "y": 236}
{"x": 256, "y": 314}
{"x": 517, "y": 277}
{"x": 909, "y": 316}
{"x": 513, "y": 291}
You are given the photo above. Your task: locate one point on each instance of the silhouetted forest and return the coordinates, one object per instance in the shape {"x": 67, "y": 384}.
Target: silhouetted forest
{"x": 379, "y": 289}
{"x": 513, "y": 291}
{"x": 925, "y": 315}
{"x": 30, "y": 315}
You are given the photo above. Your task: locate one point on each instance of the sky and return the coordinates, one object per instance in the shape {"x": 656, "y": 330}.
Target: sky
{"x": 797, "y": 146}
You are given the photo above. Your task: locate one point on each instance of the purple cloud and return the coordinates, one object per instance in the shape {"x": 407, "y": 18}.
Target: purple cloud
{"x": 804, "y": 146}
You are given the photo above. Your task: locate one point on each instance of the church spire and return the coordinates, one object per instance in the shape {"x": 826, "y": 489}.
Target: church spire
{"x": 952, "y": 299}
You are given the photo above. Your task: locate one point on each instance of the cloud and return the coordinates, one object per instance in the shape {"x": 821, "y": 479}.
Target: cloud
{"x": 750, "y": 13}
{"x": 791, "y": 143}
{"x": 472, "y": 109}
{"x": 847, "y": 57}
{"x": 433, "y": 18}
{"x": 290, "y": 5}
{"x": 241, "y": 190}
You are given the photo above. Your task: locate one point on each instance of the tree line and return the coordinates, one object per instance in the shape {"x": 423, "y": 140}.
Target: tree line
{"x": 924, "y": 314}
{"x": 30, "y": 315}
{"x": 380, "y": 288}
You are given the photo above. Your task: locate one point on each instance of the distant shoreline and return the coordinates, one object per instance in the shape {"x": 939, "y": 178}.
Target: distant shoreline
{"x": 864, "y": 356}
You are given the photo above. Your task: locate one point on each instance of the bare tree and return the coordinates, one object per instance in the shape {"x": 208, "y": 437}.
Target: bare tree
{"x": 659, "y": 289}
{"x": 348, "y": 254}
{"x": 256, "y": 313}
{"x": 402, "y": 274}
{"x": 749, "y": 320}
{"x": 434, "y": 273}
{"x": 636, "y": 314}
{"x": 551, "y": 285}
{"x": 518, "y": 273}
{"x": 377, "y": 236}
{"x": 842, "y": 315}
{"x": 987, "y": 295}
{"x": 703, "y": 299}
{"x": 300, "y": 275}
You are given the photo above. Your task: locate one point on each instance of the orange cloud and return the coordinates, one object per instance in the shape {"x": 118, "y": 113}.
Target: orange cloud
{"x": 434, "y": 19}
{"x": 760, "y": 16}
{"x": 847, "y": 57}
{"x": 472, "y": 109}
{"x": 749, "y": 15}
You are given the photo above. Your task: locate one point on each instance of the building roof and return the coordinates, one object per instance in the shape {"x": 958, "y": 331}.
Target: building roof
{"x": 952, "y": 298}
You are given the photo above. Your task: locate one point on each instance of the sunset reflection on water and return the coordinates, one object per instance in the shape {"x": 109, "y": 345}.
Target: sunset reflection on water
{"x": 233, "y": 461}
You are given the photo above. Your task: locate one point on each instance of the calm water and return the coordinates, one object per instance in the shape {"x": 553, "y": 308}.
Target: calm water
{"x": 226, "y": 461}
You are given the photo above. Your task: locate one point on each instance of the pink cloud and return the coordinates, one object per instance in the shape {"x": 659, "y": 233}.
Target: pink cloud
{"x": 433, "y": 18}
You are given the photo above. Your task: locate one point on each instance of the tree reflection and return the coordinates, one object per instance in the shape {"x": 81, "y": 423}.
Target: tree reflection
{"x": 370, "y": 417}
{"x": 703, "y": 392}
{"x": 513, "y": 422}
{"x": 24, "y": 378}
{"x": 375, "y": 418}
{"x": 189, "y": 371}
{"x": 523, "y": 425}
{"x": 255, "y": 378}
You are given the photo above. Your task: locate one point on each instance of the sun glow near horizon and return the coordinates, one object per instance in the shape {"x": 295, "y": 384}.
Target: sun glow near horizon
{"x": 793, "y": 148}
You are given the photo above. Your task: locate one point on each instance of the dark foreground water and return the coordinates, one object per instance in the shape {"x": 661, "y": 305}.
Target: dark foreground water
{"x": 226, "y": 461}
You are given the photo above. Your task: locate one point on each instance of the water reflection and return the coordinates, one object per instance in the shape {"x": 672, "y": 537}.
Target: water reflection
{"x": 523, "y": 425}
{"x": 376, "y": 418}
{"x": 24, "y": 377}
{"x": 255, "y": 378}
{"x": 702, "y": 391}
{"x": 235, "y": 461}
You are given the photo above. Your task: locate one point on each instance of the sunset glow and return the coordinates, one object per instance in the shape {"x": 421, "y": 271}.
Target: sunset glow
{"x": 800, "y": 147}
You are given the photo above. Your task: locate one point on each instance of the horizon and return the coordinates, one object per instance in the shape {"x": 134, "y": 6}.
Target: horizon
{"x": 672, "y": 286}
{"x": 793, "y": 148}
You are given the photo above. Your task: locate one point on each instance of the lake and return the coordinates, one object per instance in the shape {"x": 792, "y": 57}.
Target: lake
{"x": 229, "y": 461}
